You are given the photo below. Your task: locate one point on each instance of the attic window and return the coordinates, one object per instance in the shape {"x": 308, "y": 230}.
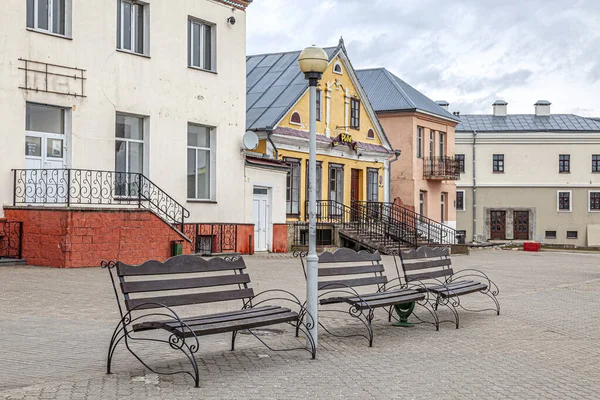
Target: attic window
{"x": 370, "y": 134}
{"x": 295, "y": 119}
{"x": 337, "y": 68}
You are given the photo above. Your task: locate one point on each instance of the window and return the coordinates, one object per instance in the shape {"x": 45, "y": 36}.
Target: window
{"x": 594, "y": 204}
{"x": 372, "y": 185}
{"x": 48, "y": 15}
{"x": 595, "y": 162}
{"x": 443, "y": 198}
{"x": 200, "y": 163}
{"x": 337, "y": 68}
{"x": 354, "y": 113}
{"x": 370, "y": 134}
{"x": 129, "y": 153}
{"x": 550, "y": 234}
{"x": 295, "y": 118}
{"x": 431, "y": 141}
{"x": 564, "y": 201}
{"x": 564, "y": 161}
{"x": 292, "y": 192}
{"x": 498, "y": 162}
{"x": 460, "y": 200}
{"x": 319, "y": 104}
{"x": 441, "y": 144}
{"x": 419, "y": 142}
{"x": 571, "y": 234}
{"x": 422, "y": 201}
{"x": 202, "y": 45}
{"x": 319, "y": 177}
{"x": 336, "y": 188}
{"x": 131, "y": 26}
{"x": 460, "y": 158}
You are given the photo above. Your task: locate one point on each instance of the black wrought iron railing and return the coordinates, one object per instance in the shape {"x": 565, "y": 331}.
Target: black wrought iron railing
{"x": 444, "y": 168}
{"x": 93, "y": 187}
{"x": 209, "y": 239}
{"x": 11, "y": 233}
{"x": 298, "y": 233}
{"x": 416, "y": 226}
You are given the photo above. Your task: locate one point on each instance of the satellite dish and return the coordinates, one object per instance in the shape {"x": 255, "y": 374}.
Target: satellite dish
{"x": 250, "y": 140}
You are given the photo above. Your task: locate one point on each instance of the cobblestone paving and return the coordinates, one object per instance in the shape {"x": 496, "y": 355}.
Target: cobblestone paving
{"x": 55, "y": 326}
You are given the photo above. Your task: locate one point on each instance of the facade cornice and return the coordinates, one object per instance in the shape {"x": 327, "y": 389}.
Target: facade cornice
{"x": 530, "y": 185}
{"x": 529, "y": 137}
{"x": 239, "y": 4}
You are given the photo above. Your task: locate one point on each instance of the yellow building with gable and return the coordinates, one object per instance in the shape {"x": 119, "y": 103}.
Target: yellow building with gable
{"x": 352, "y": 149}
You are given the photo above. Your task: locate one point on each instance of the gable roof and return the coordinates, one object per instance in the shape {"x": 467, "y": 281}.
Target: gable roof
{"x": 387, "y": 92}
{"x": 527, "y": 123}
{"x": 274, "y": 82}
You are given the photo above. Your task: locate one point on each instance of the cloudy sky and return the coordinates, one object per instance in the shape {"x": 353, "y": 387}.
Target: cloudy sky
{"x": 468, "y": 52}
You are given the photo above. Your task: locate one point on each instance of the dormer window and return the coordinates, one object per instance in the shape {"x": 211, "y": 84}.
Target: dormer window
{"x": 295, "y": 119}
{"x": 371, "y": 134}
{"x": 337, "y": 68}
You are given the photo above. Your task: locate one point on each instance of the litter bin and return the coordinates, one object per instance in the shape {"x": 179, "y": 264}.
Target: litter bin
{"x": 176, "y": 247}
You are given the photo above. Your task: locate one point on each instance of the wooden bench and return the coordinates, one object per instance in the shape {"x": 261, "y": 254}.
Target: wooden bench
{"x": 433, "y": 268}
{"x": 345, "y": 270}
{"x": 148, "y": 293}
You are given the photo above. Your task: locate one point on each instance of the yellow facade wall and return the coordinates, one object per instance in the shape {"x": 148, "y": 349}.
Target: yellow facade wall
{"x": 338, "y": 120}
{"x": 348, "y": 166}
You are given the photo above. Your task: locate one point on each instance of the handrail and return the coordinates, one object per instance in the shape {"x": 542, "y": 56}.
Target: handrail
{"x": 68, "y": 186}
{"x": 432, "y": 231}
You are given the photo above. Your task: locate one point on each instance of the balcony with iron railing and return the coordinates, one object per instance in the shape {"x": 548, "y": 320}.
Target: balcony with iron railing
{"x": 441, "y": 168}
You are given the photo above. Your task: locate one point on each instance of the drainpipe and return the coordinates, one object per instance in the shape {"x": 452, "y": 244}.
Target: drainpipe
{"x": 273, "y": 144}
{"x": 387, "y": 193}
{"x": 474, "y": 187}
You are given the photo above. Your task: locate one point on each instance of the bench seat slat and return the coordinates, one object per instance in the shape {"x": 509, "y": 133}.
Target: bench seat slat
{"x": 427, "y": 264}
{"x": 378, "y": 299}
{"x": 454, "y": 285}
{"x": 358, "y": 269}
{"x": 185, "y": 283}
{"x": 187, "y": 299}
{"x": 457, "y": 292}
{"x": 432, "y": 274}
{"x": 343, "y": 283}
{"x": 237, "y": 325}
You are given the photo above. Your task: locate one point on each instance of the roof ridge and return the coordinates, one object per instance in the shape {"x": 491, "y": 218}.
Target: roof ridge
{"x": 283, "y": 52}
{"x": 399, "y": 88}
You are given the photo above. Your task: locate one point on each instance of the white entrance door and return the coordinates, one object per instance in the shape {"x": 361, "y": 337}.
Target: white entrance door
{"x": 45, "y": 155}
{"x": 261, "y": 211}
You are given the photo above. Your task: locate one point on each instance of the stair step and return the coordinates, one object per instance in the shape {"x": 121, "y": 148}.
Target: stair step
{"x": 5, "y": 262}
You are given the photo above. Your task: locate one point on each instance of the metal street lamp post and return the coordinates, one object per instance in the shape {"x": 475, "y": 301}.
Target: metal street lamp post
{"x": 313, "y": 62}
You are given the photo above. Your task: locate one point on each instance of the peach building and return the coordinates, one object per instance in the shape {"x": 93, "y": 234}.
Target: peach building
{"x": 423, "y": 177}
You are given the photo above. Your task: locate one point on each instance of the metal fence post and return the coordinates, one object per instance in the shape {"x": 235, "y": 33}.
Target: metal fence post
{"x": 14, "y": 187}
{"x": 140, "y": 193}
{"x": 68, "y": 188}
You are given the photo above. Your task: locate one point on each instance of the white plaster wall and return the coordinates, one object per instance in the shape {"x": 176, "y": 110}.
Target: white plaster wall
{"x": 276, "y": 182}
{"x": 161, "y": 87}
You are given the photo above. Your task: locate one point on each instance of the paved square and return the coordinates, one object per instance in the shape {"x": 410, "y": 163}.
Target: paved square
{"x": 55, "y": 326}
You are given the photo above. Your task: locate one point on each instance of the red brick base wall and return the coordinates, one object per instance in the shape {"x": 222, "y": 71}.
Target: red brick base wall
{"x": 280, "y": 244}
{"x": 68, "y": 238}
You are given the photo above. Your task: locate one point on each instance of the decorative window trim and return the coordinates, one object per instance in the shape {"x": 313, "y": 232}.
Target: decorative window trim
{"x": 292, "y": 119}
{"x": 463, "y": 200}
{"x": 558, "y": 192}
{"x": 371, "y": 134}
{"x": 336, "y": 66}
{"x": 590, "y": 201}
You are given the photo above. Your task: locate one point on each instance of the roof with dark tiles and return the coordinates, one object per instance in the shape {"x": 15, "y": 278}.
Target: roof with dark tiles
{"x": 527, "y": 123}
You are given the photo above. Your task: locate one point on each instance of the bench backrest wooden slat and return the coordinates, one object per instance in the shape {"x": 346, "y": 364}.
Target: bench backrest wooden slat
{"x": 360, "y": 269}
{"x": 187, "y": 299}
{"x": 185, "y": 283}
{"x": 344, "y": 283}
{"x": 426, "y": 263}
{"x": 205, "y": 281}
{"x": 179, "y": 265}
{"x": 348, "y": 255}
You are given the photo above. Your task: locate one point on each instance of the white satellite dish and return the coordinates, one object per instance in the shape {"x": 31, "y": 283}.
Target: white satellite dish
{"x": 250, "y": 140}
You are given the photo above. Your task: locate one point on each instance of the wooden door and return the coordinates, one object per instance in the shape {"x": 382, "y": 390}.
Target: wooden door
{"x": 521, "y": 225}
{"x": 498, "y": 224}
{"x": 355, "y": 186}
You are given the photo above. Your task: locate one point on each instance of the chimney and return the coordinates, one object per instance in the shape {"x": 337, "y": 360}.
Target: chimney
{"x": 443, "y": 103}
{"x": 499, "y": 108}
{"x": 542, "y": 108}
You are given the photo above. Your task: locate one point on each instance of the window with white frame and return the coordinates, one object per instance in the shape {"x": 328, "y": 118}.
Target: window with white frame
{"x": 48, "y": 15}
{"x": 419, "y": 142}
{"x": 200, "y": 163}
{"x": 442, "y": 145}
{"x": 292, "y": 193}
{"x": 564, "y": 200}
{"x": 131, "y": 26}
{"x": 129, "y": 153}
{"x": 594, "y": 201}
{"x": 460, "y": 200}
{"x": 202, "y": 48}
{"x": 372, "y": 185}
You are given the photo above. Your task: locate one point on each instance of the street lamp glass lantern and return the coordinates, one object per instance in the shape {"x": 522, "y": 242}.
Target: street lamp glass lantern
{"x": 313, "y": 60}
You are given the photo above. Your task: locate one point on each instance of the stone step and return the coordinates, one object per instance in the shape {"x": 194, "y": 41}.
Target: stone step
{"x": 6, "y": 262}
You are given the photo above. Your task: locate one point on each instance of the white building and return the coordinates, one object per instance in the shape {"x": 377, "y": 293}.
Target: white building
{"x": 529, "y": 177}
{"x": 129, "y": 86}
